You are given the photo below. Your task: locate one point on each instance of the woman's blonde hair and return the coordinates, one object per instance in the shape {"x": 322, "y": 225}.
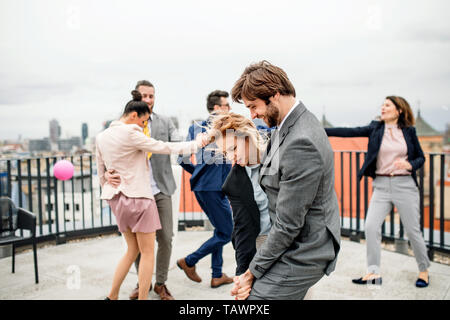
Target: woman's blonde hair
{"x": 241, "y": 127}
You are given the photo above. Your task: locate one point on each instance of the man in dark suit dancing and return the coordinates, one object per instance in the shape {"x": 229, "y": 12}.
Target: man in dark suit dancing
{"x": 208, "y": 175}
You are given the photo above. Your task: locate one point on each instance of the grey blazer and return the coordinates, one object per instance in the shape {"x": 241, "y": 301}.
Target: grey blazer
{"x": 163, "y": 129}
{"x": 298, "y": 178}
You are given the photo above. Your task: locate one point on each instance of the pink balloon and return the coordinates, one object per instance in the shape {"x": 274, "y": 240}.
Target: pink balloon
{"x": 63, "y": 170}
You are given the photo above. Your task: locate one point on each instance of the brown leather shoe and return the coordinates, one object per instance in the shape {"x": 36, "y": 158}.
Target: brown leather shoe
{"x": 190, "y": 271}
{"x": 135, "y": 293}
{"x": 224, "y": 279}
{"x": 163, "y": 292}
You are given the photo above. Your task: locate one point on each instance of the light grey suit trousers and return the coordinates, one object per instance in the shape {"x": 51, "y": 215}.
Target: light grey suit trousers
{"x": 402, "y": 192}
{"x": 162, "y": 128}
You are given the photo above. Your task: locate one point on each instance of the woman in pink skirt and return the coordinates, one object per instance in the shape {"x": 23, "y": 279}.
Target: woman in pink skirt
{"x": 123, "y": 147}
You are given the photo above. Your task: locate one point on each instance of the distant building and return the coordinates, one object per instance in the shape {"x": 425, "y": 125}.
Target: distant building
{"x": 11, "y": 148}
{"x": 423, "y": 128}
{"x": 67, "y": 145}
{"x": 430, "y": 139}
{"x": 84, "y": 133}
{"x": 325, "y": 123}
{"x": 447, "y": 135}
{"x": 38, "y": 145}
{"x": 55, "y": 131}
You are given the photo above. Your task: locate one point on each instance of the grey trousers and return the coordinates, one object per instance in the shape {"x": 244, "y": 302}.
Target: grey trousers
{"x": 272, "y": 286}
{"x": 402, "y": 192}
{"x": 163, "y": 237}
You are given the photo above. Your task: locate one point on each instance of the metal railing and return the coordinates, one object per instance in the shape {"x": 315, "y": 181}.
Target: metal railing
{"x": 73, "y": 208}
{"x": 64, "y": 209}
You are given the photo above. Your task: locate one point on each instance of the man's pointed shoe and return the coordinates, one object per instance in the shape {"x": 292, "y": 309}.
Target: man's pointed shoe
{"x": 224, "y": 279}
{"x": 189, "y": 271}
{"x": 163, "y": 292}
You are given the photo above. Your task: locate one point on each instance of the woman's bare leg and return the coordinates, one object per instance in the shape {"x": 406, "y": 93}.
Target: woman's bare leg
{"x": 146, "y": 243}
{"x": 424, "y": 276}
{"x": 124, "y": 264}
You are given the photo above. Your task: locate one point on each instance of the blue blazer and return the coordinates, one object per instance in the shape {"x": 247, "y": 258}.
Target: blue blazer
{"x": 211, "y": 169}
{"x": 375, "y": 131}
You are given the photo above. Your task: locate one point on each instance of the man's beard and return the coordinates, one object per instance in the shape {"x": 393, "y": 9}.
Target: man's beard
{"x": 272, "y": 116}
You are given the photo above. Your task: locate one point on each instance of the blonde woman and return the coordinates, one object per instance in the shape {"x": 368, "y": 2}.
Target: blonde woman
{"x": 239, "y": 140}
{"x": 123, "y": 147}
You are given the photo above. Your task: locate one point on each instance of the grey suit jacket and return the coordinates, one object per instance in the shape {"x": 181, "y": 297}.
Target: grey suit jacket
{"x": 163, "y": 129}
{"x": 298, "y": 178}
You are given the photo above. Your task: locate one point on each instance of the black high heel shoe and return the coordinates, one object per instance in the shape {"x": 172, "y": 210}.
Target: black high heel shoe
{"x": 420, "y": 283}
{"x": 375, "y": 281}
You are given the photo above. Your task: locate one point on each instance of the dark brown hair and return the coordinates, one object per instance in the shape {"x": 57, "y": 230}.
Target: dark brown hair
{"x": 214, "y": 99}
{"x": 262, "y": 80}
{"x": 406, "y": 117}
{"x": 136, "y": 105}
{"x": 145, "y": 83}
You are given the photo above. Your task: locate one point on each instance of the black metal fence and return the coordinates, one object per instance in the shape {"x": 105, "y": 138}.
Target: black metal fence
{"x": 64, "y": 209}
{"x": 73, "y": 208}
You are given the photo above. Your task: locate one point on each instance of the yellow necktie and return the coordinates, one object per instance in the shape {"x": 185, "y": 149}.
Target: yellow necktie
{"x": 147, "y": 133}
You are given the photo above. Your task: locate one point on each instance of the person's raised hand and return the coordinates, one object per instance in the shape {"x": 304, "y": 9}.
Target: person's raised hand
{"x": 202, "y": 139}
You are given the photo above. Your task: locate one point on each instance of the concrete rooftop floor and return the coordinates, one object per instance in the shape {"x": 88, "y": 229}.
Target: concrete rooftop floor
{"x": 83, "y": 269}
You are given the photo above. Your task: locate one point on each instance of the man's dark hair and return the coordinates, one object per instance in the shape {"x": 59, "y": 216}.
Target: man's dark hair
{"x": 262, "y": 80}
{"x": 144, "y": 83}
{"x": 214, "y": 99}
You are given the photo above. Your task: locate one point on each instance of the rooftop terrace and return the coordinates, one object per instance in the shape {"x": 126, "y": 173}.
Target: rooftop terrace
{"x": 83, "y": 269}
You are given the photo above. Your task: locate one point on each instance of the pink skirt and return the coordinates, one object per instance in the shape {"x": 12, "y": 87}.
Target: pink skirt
{"x": 135, "y": 214}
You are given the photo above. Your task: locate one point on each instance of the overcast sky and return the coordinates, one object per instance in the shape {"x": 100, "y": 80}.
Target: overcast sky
{"x": 77, "y": 61}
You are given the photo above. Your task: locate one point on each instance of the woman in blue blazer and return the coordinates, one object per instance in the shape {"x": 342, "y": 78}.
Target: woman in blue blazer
{"x": 393, "y": 156}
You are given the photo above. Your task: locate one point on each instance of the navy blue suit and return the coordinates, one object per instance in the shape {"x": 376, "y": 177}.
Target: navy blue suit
{"x": 211, "y": 169}
{"x": 208, "y": 176}
{"x": 374, "y": 131}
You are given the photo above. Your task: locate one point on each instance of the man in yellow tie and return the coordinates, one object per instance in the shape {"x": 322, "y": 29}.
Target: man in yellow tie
{"x": 163, "y": 186}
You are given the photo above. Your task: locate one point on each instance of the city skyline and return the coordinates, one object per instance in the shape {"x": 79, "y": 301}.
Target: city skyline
{"x": 70, "y": 134}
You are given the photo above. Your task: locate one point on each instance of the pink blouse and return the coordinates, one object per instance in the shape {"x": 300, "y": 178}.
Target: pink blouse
{"x": 393, "y": 147}
{"x": 123, "y": 147}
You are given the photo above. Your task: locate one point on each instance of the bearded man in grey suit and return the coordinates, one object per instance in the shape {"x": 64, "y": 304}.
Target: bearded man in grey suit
{"x": 298, "y": 177}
